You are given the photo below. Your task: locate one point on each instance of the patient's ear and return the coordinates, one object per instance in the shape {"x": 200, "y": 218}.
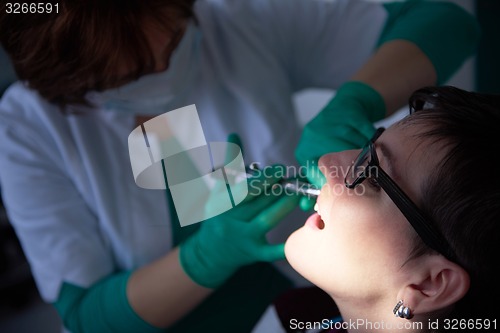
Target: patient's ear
{"x": 434, "y": 284}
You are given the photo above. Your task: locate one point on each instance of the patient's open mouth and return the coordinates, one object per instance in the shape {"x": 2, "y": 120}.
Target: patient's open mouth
{"x": 321, "y": 222}
{"x": 314, "y": 221}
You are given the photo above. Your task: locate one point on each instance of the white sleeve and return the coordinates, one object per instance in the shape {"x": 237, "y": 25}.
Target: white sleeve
{"x": 323, "y": 42}
{"x": 58, "y": 232}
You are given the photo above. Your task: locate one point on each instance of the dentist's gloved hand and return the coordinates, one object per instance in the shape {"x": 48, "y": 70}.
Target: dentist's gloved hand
{"x": 346, "y": 122}
{"x": 237, "y": 237}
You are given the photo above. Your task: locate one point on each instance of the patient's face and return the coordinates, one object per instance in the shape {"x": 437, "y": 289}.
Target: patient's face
{"x": 359, "y": 244}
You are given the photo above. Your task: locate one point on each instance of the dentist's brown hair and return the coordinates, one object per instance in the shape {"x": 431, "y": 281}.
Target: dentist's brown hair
{"x": 82, "y": 47}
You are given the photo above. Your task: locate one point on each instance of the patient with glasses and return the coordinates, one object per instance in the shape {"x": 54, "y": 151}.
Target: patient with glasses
{"x": 407, "y": 230}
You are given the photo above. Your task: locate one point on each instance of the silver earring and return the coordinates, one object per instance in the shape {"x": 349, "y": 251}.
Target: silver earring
{"x": 402, "y": 311}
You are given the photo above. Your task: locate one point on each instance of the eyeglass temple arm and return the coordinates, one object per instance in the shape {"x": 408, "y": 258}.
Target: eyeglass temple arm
{"x": 429, "y": 234}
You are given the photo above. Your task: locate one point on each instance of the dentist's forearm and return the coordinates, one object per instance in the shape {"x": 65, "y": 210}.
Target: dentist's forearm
{"x": 147, "y": 300}
{"x": 161, "y": 293}
{"x": 423, "y": 43}
{"x": 396, "y": 70}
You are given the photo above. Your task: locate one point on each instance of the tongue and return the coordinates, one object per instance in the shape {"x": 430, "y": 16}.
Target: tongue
{"x": 321, "y": 224}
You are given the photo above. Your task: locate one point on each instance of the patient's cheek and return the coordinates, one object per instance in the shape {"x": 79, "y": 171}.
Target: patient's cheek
{"x": 296, "y": 248}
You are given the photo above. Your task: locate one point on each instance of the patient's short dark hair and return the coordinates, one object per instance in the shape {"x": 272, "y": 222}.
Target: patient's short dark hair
{"x": 462, "y": 196}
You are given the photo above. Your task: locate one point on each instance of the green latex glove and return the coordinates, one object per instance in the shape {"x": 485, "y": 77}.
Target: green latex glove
{"x": 237, "y": 237}
{"x": 345, "y": 123}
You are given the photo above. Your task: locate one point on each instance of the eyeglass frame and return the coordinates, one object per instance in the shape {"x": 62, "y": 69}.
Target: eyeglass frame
{"x": 418, "y": 220}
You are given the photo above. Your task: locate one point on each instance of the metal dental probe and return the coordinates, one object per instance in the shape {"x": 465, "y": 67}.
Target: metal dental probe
{"x": 288, "y": 184}
{"x": 299, "y": 187}
{"x": 291, "y": 185}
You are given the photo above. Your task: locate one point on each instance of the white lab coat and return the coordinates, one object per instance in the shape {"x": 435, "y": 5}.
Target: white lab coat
{"x": 66, "y": 180}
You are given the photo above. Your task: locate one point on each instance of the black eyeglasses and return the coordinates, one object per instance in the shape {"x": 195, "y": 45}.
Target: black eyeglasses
{"x": 366, "y": 166}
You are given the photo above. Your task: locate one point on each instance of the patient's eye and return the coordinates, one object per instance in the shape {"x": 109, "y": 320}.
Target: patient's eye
{"x": 373, "y": 183}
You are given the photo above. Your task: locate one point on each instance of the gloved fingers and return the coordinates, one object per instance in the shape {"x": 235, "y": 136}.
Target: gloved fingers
{"x": 310, "y": 146}
{"x": 314, "y": 144}
{"x": 307, "y": 203}
{"x": 367, "y": 130}
{"x": 264, "y": 179}
{"x": 316, "y": 175}
{"x": 271, "y": 252}
{"x": 346, "y": 138}
{"x": 260, "y": 193}
{"x": 272, "y": 215}
{"x": 247, "y": 211}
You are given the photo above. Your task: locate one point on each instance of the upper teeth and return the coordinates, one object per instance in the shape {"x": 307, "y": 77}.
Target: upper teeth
{"x": 316, "y": 208}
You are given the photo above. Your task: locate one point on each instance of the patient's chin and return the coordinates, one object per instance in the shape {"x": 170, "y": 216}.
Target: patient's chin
{"x": 297, "y": 251}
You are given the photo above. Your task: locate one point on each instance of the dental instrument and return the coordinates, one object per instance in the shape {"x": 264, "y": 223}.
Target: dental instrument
{"x": 289, "y": 184}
